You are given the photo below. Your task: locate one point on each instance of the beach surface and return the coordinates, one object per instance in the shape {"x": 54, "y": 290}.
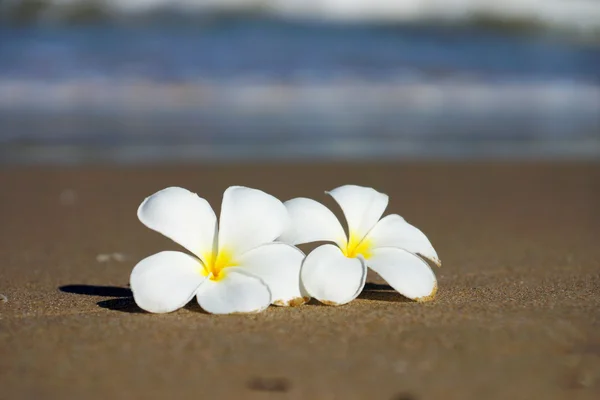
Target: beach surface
{"x": 517, "y": 314}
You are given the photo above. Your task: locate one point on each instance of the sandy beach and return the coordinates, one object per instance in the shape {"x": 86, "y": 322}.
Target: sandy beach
{"x": 516, "y": 317}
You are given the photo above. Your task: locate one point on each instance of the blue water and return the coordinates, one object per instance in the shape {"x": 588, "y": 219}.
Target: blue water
{"x": 413, "y": 90}
{"x": 265, "y": 49}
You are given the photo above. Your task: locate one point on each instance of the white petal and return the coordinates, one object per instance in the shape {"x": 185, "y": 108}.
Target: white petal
{"x": 278, "y": 265}
{"x": 311, "y": 221}
{"x": 331, "y": 277}
{"x": 405, "y": 272}
{"x": 394, "y": 231}
{"x": 165, "y": 281}
{"x": 183, "y": 217}
{"x": 235, "y": 292}
{"x": 250, "y": 218}
{"x": 362, "y": 207}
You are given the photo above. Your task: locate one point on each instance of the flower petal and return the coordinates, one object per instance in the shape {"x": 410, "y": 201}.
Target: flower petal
{"x": 181, "y": 216}
{"x": 362, "y": 207}
{"x": 277, "y": 265}
{"x": 405, "y": 272}
{"x": 332, "y": 278}
{"x": 249, "y": 218}
{"x": 165, "y": 281}
{"x": 235, "y": 292}
{"x": 394, "y": 231}
{"x": 311, "y": 221}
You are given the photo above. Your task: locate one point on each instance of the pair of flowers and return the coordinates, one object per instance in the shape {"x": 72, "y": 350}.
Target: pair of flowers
{"x": 249, "y": 260}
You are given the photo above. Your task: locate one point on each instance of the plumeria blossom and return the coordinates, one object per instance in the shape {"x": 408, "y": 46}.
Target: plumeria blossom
{"x": 236, "y": 266}
{"x": 335, "y": 274}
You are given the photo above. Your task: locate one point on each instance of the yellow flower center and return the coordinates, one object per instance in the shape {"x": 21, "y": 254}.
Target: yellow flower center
{"x": 357, "y": 246}
{"x": 215, "y": 264}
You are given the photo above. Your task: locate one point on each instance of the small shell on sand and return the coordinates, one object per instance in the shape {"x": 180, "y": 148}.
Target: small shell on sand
{"x": 106, "y": 257}
{"x": 68, "y": 197}
{"x": 3, "y": 299}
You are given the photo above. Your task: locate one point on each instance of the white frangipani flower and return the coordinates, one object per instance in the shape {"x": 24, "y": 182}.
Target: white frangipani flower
{"x": 238, "y": 267}
{"x": 336, "y": 275}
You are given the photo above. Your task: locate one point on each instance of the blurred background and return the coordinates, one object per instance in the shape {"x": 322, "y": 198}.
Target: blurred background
{"x": 194, "y": 81}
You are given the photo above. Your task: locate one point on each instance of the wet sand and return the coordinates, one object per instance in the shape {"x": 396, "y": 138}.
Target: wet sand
{"x": 517, "y": 314}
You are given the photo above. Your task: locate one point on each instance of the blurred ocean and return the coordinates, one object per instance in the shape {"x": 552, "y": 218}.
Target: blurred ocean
{"x": 164, "y": 86}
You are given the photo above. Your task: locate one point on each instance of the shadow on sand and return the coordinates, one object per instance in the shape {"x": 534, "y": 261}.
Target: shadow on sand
{"x": 122, "y": 302}
{"x": 382, "y": 292}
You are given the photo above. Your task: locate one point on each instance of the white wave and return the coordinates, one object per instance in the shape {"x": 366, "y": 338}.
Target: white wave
{"x": 471, "y": 97}
{"x": 579, "y": 15}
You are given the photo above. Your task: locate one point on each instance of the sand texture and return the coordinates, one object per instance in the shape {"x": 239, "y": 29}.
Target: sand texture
{"x": 516, "y": 317}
